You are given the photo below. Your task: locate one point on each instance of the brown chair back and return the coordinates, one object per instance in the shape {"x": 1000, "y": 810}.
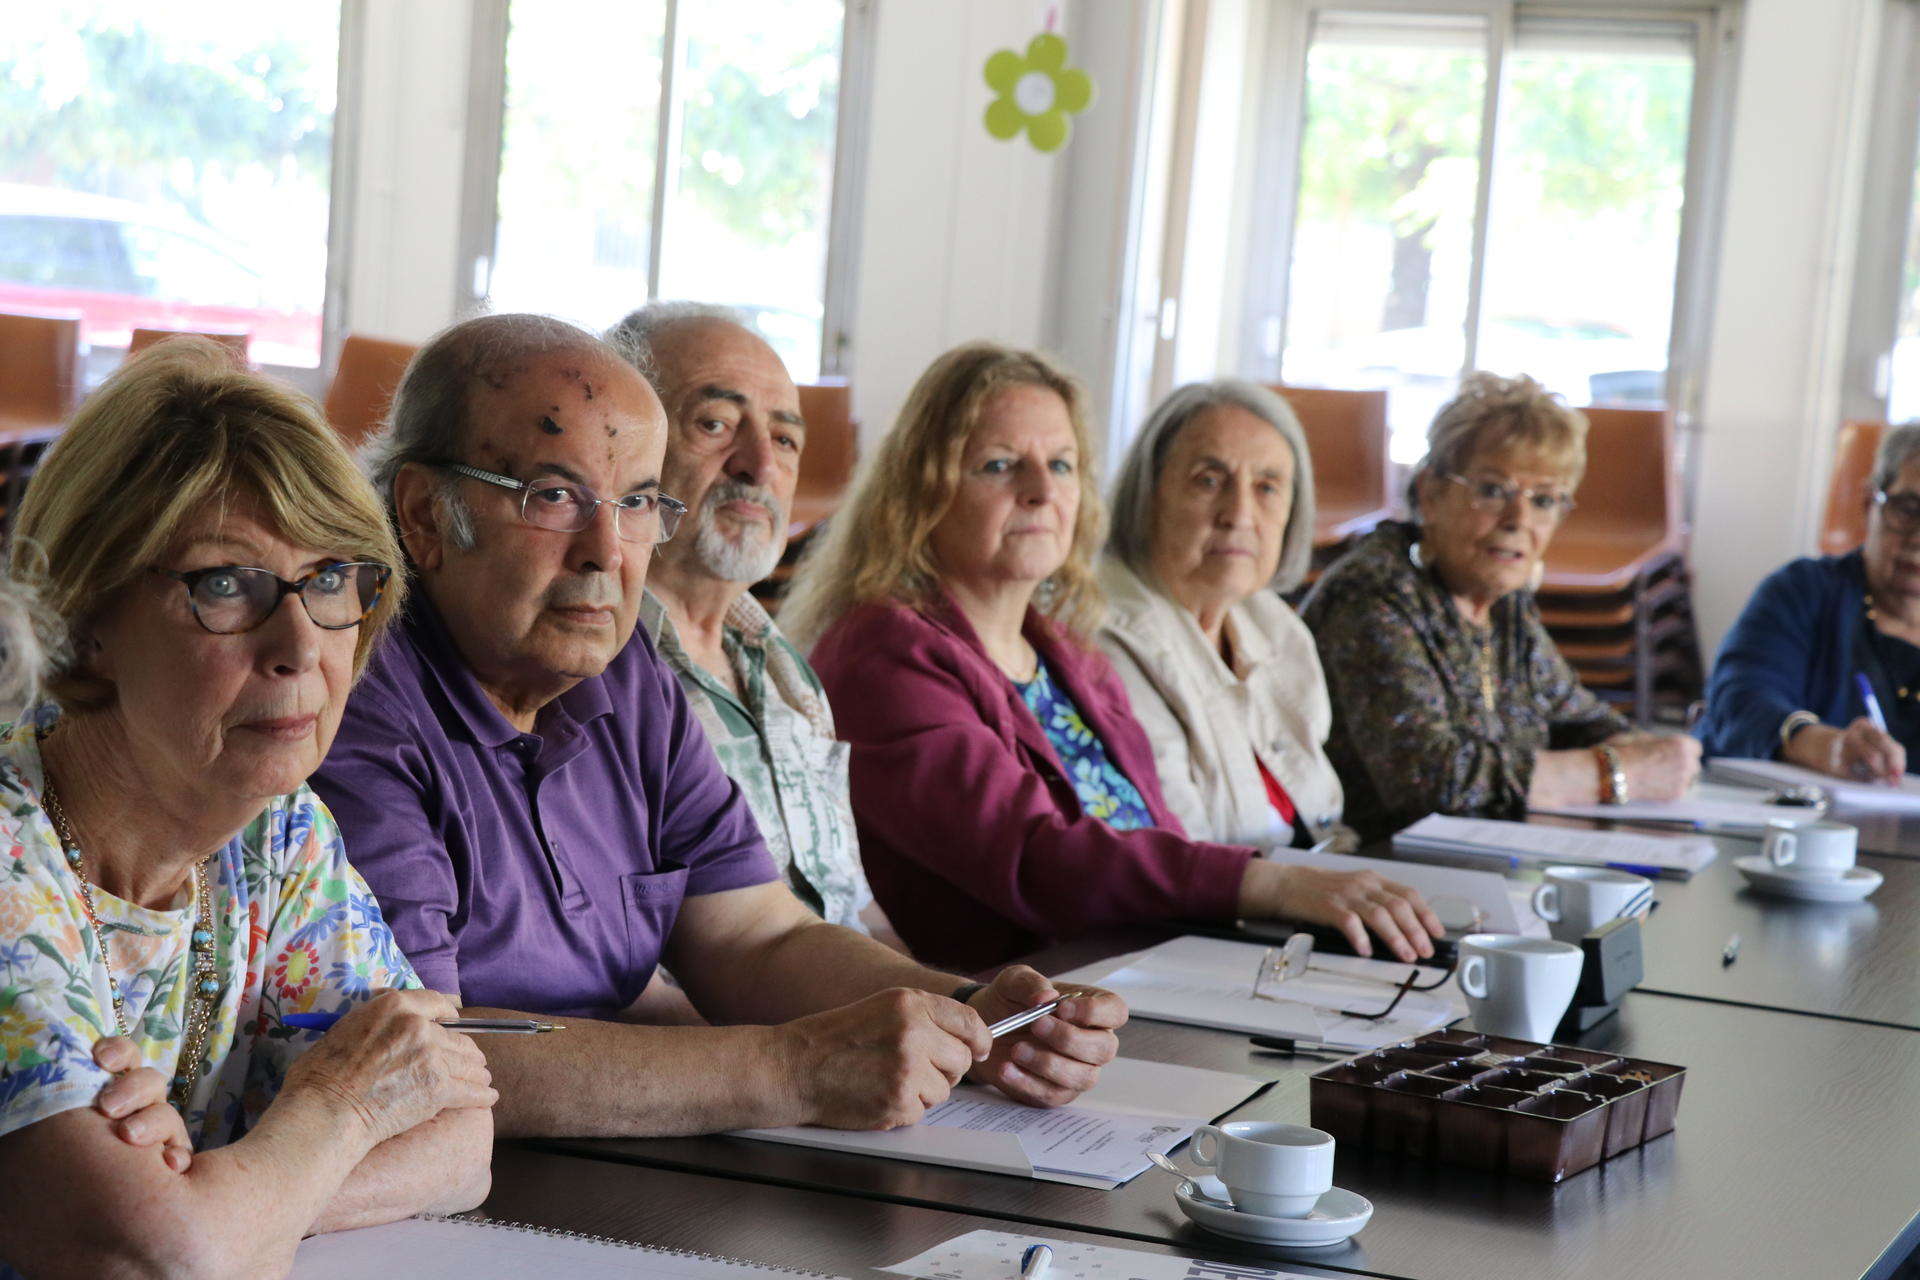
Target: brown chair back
{"x": 1347, "y": 434}
{"x": 833, "y": 447}
{"x": 39, "y": 369}
{"x": 1844, "y": 526}
{"x": 236, "y": 341}
{"x": 1628, "y": 494}
{"x": 363, "y": 385}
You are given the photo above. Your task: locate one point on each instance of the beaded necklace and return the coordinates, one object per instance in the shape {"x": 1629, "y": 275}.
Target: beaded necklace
{"x": 1903, "y": 693}
{"x": 204, "y": 996}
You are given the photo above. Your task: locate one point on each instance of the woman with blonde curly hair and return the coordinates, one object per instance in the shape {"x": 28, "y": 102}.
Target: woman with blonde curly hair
{"x": 1004, "y": 793}
{"x": 1448, "y": 694}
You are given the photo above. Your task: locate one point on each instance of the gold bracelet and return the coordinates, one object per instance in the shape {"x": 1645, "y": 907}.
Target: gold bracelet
{"x": 1613, "y": 778}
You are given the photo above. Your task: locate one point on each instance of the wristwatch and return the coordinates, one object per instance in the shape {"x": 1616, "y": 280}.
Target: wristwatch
{"x": 967, "y": 991}
{"x": 1613, "y": 779}
{"x": 1794, "y": 724}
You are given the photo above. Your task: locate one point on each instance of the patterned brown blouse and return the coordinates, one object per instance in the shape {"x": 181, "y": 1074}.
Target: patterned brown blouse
{"x": 1430, "y": 713}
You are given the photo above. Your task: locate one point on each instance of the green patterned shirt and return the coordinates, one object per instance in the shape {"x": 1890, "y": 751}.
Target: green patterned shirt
{"x": 776, "y": 740}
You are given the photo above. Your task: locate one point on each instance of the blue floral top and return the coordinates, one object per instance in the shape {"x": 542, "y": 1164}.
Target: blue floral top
{"x": 1104, "y": 791}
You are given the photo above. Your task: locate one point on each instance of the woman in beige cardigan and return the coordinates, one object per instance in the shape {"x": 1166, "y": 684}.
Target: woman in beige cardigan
{"x": 1212, "y": 516}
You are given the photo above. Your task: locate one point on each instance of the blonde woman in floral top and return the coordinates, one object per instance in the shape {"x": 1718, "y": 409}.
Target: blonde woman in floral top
{"x": 1448, "y": 694}
{"x": 171, "y": 892}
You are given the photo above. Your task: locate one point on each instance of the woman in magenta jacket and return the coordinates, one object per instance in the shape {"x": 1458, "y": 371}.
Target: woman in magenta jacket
{"x": 1004, "y": 794}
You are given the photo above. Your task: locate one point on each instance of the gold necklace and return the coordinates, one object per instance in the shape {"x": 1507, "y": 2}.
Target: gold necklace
{"x": 1903, "y": 693}
{"x": 1483, "y": 652}
{"x": 204, "y": 997}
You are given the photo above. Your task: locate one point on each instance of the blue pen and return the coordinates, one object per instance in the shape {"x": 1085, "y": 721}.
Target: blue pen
{"x": 472, "y": 1026}
{"x": 1873, "y": 704}
{"x": 1035, "y": 1261}
{"x": 1652, "y": 873}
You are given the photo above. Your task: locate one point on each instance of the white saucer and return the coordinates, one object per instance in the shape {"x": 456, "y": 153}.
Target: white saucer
{"x": 1851, "y": 885}
{"x": 1338, "y": 1215}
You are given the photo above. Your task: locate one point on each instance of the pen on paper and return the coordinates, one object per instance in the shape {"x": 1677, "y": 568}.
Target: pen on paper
{"x": 1730, "y": 952}
{"x": 471, "y": 1026}
{"x": 1035, "y": 1261}
{"x": 1021, "y": 1019}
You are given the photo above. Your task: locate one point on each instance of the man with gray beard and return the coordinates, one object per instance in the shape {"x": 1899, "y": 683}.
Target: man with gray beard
{"x": 734, "y": 440}
{"x": 526, "y": 788}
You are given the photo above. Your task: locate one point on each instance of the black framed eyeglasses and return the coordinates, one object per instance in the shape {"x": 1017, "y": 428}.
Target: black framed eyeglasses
{"x": 1900, "y": 512}
{"x": 1487, "y": 494}
{"x": 1284, "y": 963}
{"x": 229, "y": 598}
{"x": 548, "y": 502}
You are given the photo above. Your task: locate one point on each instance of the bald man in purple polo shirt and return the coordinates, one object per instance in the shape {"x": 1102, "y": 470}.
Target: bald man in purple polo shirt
{"x": 521, "y": 781}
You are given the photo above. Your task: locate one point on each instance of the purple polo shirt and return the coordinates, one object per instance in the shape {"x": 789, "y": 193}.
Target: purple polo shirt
{"x": 540, "y": 871}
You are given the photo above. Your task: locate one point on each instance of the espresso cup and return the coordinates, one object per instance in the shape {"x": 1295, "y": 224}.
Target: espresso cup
{"x": 1816, "y": 849}
{"x": 1518, "y": 987}
{"x": 1278, "y": 1170}
{"x": 1574, "y": 901}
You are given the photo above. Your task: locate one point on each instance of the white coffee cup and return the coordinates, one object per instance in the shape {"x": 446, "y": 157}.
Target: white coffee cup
{"x": 1574, "y": 901}
{"x": 1815, "y": 848}
{"x": 1279, "y": 1170}
{"x": 1518, "y": 986}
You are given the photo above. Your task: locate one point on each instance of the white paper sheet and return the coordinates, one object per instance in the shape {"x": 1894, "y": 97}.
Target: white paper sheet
{"x": 1717, "y": 807}
{"x": 995, "y": 1255}
{"x": 1100, "y": 1141}
{"x": 1517, "y": 842}
{"x": 1208, "y": 982}
{"x": 460, "y": 1249}
{"x": 1904, "y": 798}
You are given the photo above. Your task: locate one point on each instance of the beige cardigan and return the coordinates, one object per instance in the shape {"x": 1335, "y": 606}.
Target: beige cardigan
{"x": 1207, "y": 723}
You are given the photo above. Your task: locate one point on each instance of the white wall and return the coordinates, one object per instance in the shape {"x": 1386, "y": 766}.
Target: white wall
{"x": 956, "y": 231}
{"x": 401, "y": 218}
{"x": 1771, "y": 393}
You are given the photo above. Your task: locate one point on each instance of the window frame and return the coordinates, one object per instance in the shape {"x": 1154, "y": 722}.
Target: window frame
{"x": 1274, "y": 187}
{"x": 486, "y": 139}
{"x": 1888, "y": 208}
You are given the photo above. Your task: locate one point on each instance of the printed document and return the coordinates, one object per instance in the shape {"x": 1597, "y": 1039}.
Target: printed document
{"x": 1100, "y": 1141}
{"x": 995, "y": 1255}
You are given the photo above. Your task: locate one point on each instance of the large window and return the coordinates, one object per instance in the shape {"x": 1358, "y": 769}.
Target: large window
{"x": 600, "y": 207}
{"x": 1903, "y": 383}
{"x": 1422, "y": 246}
{"x": 167, "y": 166}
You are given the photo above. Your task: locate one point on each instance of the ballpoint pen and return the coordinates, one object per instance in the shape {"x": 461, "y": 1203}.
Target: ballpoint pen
{"x": 1730, "y": 952}
{"x": 472, "y": 1026}
{"x": 1874, "y": 713}
{"x": 1305, "y": 1048}
{"x": 1022, "y": 1018}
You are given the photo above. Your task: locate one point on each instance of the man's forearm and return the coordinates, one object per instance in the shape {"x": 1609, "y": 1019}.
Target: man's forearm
{"x": 441, "y": 1166}
{"x": 615, "y": 1079}
{"x": 810, "y": 968}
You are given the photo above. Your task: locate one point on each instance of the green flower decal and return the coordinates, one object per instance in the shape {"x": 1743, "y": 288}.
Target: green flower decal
{"x": 1036, "y": 93}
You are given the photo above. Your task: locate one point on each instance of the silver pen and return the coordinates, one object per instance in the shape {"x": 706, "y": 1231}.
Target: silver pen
{"x": 1021, "y": 1019}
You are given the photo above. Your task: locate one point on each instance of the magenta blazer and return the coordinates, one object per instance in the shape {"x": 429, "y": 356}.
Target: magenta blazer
{"x": 970, "y": 829}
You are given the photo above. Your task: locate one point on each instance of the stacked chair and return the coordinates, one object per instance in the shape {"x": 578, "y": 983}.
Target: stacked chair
{"x": 1844, "y": 526}
{"x": 1352, "y": 483}
{"x": 236, "y": 341}
{"x": 1616, "y": 594}
{"x": 363, "y": 385}
{"x": 826, "y": 470}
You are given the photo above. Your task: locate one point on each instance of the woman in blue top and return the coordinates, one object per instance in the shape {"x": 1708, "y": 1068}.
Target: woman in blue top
{"x": 1784, "y": 686}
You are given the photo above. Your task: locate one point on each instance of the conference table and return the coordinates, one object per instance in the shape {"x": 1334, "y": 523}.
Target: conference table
{"x": 1793, "y": 1153}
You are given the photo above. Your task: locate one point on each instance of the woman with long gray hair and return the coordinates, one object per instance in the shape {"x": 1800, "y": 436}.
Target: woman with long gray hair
{"x": 1787, "y": 684}
{"x": 1212, "y": 519}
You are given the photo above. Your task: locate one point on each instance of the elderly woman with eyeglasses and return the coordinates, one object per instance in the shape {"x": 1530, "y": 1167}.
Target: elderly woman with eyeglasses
{"x": 1793, "y": 675}
{"x": 173, "y": 894}
{"x": 1212, "y": 519}
{"x": 1448, "y": 694}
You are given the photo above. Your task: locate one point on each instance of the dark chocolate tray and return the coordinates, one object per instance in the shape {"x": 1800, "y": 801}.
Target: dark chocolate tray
{"x": 1509, "y": 1106}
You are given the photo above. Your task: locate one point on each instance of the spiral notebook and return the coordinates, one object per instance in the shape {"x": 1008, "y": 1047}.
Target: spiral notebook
{"x": 430, "y": 1248}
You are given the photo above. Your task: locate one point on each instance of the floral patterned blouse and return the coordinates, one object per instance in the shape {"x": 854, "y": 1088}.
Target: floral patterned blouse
{"x": 1414, "y": 728}
{"x": 297, "y": 931}
{"x": 1105, "y": 793}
